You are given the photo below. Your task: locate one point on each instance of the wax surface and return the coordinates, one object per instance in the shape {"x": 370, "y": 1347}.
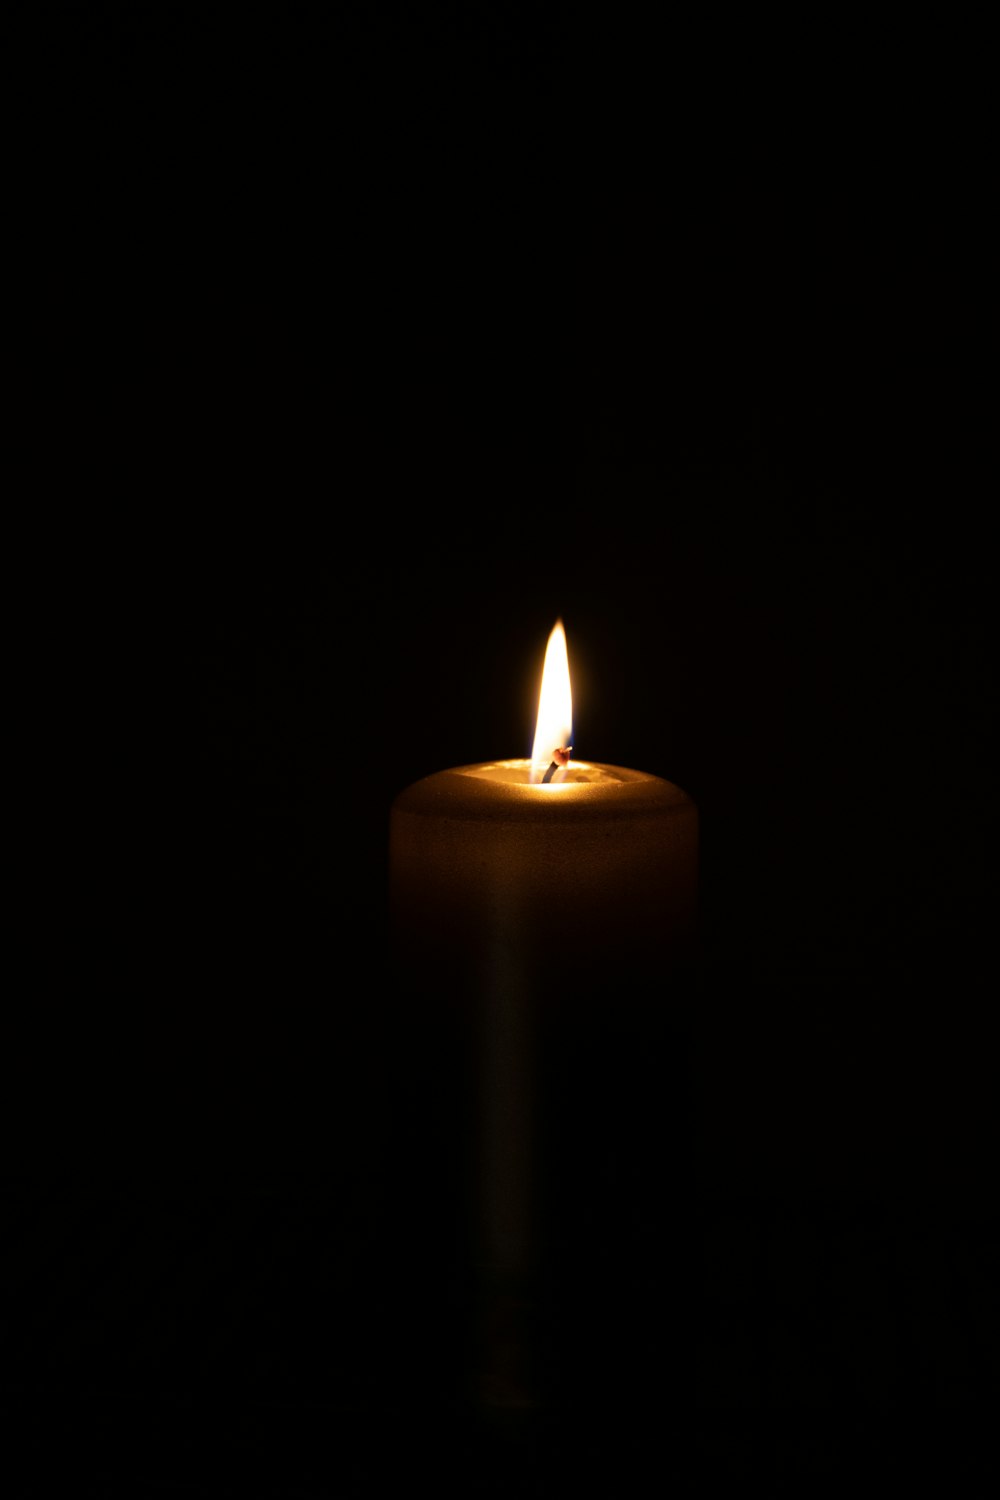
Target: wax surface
{"x": 577, "y": 773}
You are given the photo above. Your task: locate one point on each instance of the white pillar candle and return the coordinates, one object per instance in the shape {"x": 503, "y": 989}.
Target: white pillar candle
{"x": 539, "y": 918}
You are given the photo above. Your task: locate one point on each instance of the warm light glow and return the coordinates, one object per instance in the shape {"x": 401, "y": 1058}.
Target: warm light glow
{"x": 554, "y": 726}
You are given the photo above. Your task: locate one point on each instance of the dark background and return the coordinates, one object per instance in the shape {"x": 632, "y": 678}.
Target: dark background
{"x": 369, "y": 346}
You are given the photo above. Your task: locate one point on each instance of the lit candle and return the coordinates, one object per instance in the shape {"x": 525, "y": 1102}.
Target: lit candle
{"x": 541, "y": 909}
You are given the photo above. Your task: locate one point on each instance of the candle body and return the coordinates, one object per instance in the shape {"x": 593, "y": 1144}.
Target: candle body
{"x": 581, "y": 872}
{"x": 543, "y": 938}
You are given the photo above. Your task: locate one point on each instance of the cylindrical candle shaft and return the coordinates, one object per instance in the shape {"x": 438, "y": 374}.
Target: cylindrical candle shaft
{"x": 540, "y": 934}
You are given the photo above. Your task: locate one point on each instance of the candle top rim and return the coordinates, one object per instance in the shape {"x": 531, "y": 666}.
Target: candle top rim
{"x": 466, "y": 793}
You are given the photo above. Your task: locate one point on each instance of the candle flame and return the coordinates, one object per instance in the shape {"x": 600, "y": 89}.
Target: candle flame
{"x": 554, "y": 725}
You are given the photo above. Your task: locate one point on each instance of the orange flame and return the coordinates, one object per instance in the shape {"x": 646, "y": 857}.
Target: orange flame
{"x": 554, "y": 725}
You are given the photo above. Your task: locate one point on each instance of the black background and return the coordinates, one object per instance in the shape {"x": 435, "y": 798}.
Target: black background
{"x": 368, "y": 346}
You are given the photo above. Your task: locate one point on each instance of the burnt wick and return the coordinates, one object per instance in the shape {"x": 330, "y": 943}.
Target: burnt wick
{"x": 560, "y": 758}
